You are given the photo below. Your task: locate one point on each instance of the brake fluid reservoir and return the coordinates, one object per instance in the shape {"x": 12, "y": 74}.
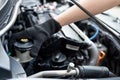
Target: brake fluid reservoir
{"x": 22, "y": 49}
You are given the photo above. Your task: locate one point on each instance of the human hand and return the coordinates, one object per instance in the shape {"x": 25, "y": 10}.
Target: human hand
{"x": 38, "y": 34}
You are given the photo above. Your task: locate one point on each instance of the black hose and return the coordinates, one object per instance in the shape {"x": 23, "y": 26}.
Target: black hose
{"x": 94, "y": 72}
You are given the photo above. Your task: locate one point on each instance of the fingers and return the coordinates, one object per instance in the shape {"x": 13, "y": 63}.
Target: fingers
{"x": 36, "y": 47}
{"x": 22, "y": 35}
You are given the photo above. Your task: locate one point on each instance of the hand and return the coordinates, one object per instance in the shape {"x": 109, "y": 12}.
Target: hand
{"x": 39, "y": 33}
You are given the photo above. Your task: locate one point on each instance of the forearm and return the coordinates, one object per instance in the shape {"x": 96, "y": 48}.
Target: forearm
{"x": 74, "y": 14}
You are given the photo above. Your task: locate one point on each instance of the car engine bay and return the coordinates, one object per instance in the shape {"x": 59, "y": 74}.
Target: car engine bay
{"x": 82, "y": 50}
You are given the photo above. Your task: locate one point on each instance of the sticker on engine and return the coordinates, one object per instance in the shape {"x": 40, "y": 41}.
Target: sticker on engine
{"x": 72, "y": 47}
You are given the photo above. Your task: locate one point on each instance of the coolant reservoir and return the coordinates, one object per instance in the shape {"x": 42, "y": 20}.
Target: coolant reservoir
{"x": 22, "y": 49}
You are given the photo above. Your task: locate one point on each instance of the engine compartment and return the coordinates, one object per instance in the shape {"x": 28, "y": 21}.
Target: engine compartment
{"x": 78, "y": 51}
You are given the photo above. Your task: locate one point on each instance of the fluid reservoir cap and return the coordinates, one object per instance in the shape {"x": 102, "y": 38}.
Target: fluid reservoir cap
{"x": 58, "y": 59}
{"x": 23, "y": 44}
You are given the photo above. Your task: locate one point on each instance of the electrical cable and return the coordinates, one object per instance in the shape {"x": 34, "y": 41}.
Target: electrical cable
{"x": 96, "y": 33}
